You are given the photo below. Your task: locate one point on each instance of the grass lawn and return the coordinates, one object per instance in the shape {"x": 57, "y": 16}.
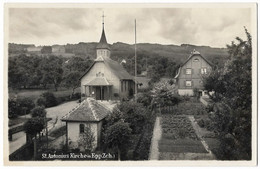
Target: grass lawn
{"x": 34, "y": 94}
{"x": 16, "y": 121}
{"x": 181, "y": 146}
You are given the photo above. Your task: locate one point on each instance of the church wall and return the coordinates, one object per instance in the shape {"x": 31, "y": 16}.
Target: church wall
{"x": 108, "y": 74}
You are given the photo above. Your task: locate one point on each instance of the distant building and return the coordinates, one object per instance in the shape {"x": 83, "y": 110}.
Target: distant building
{"x": 106, "y": 79}
{"x": 190, "y": 74}
{"x": 34, "y": 49}
{"x": 89, "y": 113}
{"x": 58, "y": 49}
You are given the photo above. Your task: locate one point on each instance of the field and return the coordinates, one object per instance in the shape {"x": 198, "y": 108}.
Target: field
{"x": 178, "y": 135}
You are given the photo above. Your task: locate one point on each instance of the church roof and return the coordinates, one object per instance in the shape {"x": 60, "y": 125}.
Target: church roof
{"x": 103, "y": 41}
{"x": 89, "y": 110}
{"x": 115, "y": 67}
{"x": 98, "y": 81}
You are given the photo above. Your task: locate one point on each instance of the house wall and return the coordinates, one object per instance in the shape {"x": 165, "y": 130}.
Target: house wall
{"x": 195, "y": 76}
{"x": 108, "y": 74}
{"x": 74, "y": 133}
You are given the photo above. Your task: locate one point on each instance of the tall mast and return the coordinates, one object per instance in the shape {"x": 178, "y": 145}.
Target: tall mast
{"x": 135, "y": 62}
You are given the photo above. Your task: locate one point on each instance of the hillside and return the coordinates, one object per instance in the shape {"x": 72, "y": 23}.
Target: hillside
{"x": 155, "y": 59}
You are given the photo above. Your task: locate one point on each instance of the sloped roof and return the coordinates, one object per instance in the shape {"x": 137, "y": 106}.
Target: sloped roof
{"x": 118, "y": 69}
{"x": 115, "y": 67}
{"x": 194, "y": 53}
{"x": 88, "y": 110}
{"x": 103, "y": 42}
{"x": 99, "y": 81}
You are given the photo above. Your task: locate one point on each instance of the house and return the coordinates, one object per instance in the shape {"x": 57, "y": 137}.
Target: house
{"x": 89, "y": 113}
{"x": 190, "y": 74}
{"x": 106, "y": 79}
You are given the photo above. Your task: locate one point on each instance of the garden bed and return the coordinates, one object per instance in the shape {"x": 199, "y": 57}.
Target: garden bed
{"x": 178, "y": 135}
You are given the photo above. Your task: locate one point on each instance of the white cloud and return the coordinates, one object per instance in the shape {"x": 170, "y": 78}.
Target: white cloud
{"x": 212, "y": 27}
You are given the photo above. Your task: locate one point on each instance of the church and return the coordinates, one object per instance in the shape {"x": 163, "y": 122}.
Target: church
{"x": 106, "y": 79}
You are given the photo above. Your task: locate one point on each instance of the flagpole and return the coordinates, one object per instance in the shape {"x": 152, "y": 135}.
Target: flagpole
{"x": 135, "y": 63}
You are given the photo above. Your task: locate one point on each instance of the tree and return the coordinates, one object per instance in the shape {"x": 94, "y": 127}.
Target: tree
{"x": 39, "y": 112}
{"x": 47, "y": 99}
{"x": 135, "y": 114}
{"x": 117, "y": 136}
{"x": 24, "y": 105}
{"x": 164, "y": 94}
{"x": 34, "y": 125}
{"x": 71, "y": 80}
{"x": 232, "y": 101}
{"x": 87, "y": 139}
{"x": 52, "y": 71}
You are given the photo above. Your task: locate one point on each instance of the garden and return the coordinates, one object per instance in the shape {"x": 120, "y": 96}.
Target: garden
{"x": 178, "y": 136}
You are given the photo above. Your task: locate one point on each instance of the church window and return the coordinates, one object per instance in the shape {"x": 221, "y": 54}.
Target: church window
{"x": 81, "y": 128}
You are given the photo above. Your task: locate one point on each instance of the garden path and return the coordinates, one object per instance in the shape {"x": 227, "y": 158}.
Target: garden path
{"x": 157, "y": 133}
{"x": 199, "y": 134}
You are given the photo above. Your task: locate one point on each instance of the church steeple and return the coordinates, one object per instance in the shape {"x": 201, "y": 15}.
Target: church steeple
{"x": 103, "y": 41}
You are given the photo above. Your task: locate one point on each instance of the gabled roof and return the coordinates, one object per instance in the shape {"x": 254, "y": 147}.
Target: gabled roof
{"x": 99, "y": 81}
{"x": 103, "y": 41}
{"x": 88, "y": 110}
{"x": 115, "y": 67}
{"x": 196, "y": 53}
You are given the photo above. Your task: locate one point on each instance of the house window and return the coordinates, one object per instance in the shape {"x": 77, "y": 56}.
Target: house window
{"x": 81, "y": 128}
{"x": 188, "y": 83}
{"x": 203, "y": 70}
{"x": 188, "y": 71}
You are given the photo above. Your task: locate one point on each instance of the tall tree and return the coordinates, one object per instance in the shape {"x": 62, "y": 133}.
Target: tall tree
{"x": 233, "y": 91}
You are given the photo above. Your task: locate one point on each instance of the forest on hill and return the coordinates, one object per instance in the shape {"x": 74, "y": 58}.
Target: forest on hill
{"x": 153, "y": 60}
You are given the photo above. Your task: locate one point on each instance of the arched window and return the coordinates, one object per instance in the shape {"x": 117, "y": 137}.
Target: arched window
{"x": 81, "y": 128}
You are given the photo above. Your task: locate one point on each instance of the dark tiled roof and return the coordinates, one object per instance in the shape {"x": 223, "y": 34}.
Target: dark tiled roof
{"x": 99, "y": 81}
{"x": 118, "y": 69}
{"x": 89, "y": 110}
{"x": 103, "y": 42}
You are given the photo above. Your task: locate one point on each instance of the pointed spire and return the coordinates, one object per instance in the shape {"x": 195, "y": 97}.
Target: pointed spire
{"x": 103, "y": 41}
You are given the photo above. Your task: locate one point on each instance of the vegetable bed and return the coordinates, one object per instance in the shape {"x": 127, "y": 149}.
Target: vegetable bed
{"x": 178, "y": 135}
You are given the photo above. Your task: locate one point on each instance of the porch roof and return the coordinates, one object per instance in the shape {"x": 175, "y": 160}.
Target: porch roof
{"x": 98, "y": 81}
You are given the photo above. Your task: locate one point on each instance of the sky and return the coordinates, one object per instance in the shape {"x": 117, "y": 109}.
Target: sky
{"x": 213, "y": 27}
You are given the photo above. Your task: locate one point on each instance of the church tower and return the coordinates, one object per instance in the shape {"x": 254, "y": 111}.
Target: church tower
{"x": 103, "y": 49}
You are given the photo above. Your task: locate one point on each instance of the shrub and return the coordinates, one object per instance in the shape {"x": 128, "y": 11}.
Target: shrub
{"x": 135, "y": 114}
{"x": 12, "y": 108}
{"x": 47, "y": 99}
{"x": 145, "y": 99}
{"x": 24, "y": 106}
{"x": 38, "y": 112}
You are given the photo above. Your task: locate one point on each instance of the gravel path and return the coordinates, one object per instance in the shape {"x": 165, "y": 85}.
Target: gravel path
{"x": 157, "y": 133}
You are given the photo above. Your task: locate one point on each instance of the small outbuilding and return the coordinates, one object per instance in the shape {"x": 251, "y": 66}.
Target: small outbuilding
{"x": 89, "y": 113}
